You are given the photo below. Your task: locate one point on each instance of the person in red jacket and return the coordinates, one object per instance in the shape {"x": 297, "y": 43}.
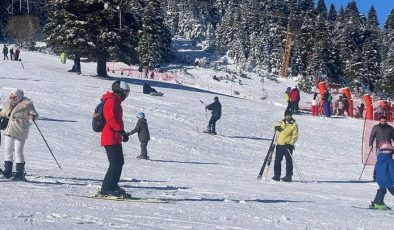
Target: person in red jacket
{"x": 294, "y": 98}
{"x": 112, "y": 136}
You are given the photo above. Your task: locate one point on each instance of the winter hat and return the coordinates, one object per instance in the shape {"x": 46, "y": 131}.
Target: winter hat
{"x": 19, "y": 94}
{"x": 288, "y": 112}
{"x": 141, "y": 115}
{"x": 216, "y": 98}
{"x": 121, "y": 88}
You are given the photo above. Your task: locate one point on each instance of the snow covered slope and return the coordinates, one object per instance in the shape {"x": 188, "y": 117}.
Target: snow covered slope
{"x": 210, "y": 181}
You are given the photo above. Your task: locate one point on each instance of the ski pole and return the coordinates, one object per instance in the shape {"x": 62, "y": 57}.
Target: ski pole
{"x": 206, "y": 113}
{"x": 365, "y": 163}
{"x": 295, "y": 166}
{"x": 47, "y": 144}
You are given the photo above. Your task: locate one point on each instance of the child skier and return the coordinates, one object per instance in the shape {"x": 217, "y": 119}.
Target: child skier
{"x": 143, "y": 135}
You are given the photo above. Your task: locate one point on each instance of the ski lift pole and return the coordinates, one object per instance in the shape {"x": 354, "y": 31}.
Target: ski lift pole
{"x": 47, "y": 145}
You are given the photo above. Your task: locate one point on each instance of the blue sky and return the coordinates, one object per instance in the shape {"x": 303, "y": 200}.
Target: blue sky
{"x": 383, "y": 7}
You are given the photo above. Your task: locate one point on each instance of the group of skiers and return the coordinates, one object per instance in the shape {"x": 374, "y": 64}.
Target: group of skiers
{"x": 13, "y": 55}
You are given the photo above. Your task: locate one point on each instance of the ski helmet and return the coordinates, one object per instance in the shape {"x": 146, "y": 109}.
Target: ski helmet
{"x": 121, "y": 88}
{"x": 141, "y": 115}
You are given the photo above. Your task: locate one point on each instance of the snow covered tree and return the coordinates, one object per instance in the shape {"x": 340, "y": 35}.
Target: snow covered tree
{"x": 154, "y": 46}
{"x": 4, "y": 16}
{"x": 321, "y": 8}
{"x": 91, "y": 29}
{"x": 387, "y": 80}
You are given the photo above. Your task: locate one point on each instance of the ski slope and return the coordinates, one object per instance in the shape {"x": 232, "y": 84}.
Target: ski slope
{"x": 209, "y": 181}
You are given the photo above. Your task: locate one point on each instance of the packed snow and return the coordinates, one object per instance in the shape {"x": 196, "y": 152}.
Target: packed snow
{"x": 209, "y": 181}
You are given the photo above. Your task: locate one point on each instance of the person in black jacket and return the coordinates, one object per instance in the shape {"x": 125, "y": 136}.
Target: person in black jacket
{"x": 216, "y": 108}
{"x": 143, "y": 135}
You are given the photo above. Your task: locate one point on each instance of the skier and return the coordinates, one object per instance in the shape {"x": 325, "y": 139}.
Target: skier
{"x": 287, "y": 99}
{"x": 384, "y": 135}
{"x": 288, "y": 135}
{"x": 19, "y": 110}
{"x": 12, "y": 53}
{"x": 216, "y": 108}
{"x": 294, "y": 98}
{"x": 17, "y": 52}
{"x": 327, "y": 98}
{"x": 5, "y": 52}
{"x": 143, "y": 135}
{"x": 315, "y": 105}
{"x": 112, "y": 136}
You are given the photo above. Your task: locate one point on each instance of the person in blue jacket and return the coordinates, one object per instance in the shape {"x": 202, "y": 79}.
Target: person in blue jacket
{"x": 384, "y": 135}
{"x": 216, "y": 109}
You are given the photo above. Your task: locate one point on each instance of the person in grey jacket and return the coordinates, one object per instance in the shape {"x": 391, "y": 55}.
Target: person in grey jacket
{"x": 216, "y": 108}
{"x": 20, "y": 111}
{"x": 143, "y": 135}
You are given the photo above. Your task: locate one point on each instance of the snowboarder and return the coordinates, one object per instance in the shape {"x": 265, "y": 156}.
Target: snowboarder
{"x": 12, "y": 53}
{"x": 143, "y": 135}
{"x": 216, "y": 108}
{"x": 5, "y": 52}
{"x": 147, "y": 89}
{"x": 19, "y": 110}
{"x": 384, "y": 135}
{"x": 112, "y": 136}
{"x": 288, "y": 135}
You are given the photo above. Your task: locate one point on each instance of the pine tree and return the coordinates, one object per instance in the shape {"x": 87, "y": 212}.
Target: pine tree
{"x": 154, "y": 46}
{"x": 387, "y": 80}
{"x": 321, "y": 8}
{"x": 332, "y": 14}
{"x": 91, "y": 29}
{"x": 4, "y": 16}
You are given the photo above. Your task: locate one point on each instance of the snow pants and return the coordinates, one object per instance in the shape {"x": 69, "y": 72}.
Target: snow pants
{"x": 327, "y": 109}
{"x": 12, "y": 146}
{"x": 379, "y": 198}
{"x": 282, "y": 150}
{"x": 315, "y": 110}
{"x": 144, "y": 149}
{"x": 116, "y": 161}
{"x": 212, "y": 124}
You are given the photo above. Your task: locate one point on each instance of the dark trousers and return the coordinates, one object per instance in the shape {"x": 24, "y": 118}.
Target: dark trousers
{"x": 282, "y": 150}
{"x": 5, "y": 56}
{"x": 144, "y": 149}
{"x": 212, "y": 124}
{"x": 116, "y": 161}
{"x": 381, "y": 193}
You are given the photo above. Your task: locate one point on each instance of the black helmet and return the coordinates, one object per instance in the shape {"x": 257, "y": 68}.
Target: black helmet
{"x": 216, "y": 98}
{"x": 121, "y": 88}
{"x": 288, "y": 112}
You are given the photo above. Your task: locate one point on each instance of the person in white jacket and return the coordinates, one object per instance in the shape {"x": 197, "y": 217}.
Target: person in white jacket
{"x": 20, "y": 111}
{"x": 315, "y": 105}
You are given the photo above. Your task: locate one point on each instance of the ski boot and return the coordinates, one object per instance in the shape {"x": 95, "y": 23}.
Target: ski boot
{"x": 379, "y": 206}
{"x": 276, "y": 178}
{"x": 287, "y": 179}
{"x": 7, "y": 173}
{"x": 19, "y": 175}
{"x": 141, "y": 157}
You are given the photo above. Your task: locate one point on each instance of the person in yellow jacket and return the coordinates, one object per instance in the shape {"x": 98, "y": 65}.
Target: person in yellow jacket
{"x": 288, "y": 135}
{"x": 287, "y": 98}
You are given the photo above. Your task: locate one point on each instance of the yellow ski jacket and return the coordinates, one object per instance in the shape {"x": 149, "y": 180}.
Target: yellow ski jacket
{"x": 289, "y": 132}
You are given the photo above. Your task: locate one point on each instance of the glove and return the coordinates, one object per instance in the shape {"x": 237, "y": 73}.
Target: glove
{"x": 278, "y": 128}
{"x": 33, "y": 117}
{"x": 125, "y": 137}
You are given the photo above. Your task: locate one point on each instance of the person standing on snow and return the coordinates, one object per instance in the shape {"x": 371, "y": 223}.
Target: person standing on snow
{"x": 216, "y": 108}
{"x": 327, "y": 98}
{"x": 315, "y": 105}
{"x": 5, "y": 52}
{"x": 294, "y": 97}
{"x": 112, "y": 136}
{"x": 384, "y": 135}
{"x": 287, "y": 99}
{"x": 12, "y": 53}
{"x": 288, "y": 135}
{"x": 143, "y": 135}
{"x": 20, "y": 111}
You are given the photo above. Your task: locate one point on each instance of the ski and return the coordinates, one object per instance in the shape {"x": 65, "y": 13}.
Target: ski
{"x": 115, "y": 198}
{"x": 267, "y": 167}
{"x": 269, "y": 154}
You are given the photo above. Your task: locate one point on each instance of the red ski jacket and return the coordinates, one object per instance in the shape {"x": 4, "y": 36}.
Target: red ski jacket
{"x": 113, "y": 114}
{"x": 294, "y": 95}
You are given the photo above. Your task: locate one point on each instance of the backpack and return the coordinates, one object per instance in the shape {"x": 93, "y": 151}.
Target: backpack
{"x": 98, "y": 120}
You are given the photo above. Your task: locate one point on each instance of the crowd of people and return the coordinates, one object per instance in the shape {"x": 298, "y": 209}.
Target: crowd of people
{"x": 14, "y": 55}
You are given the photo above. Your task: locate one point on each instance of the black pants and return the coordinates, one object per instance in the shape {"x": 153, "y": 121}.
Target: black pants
{"x": 144, "y": 149}
{"x": 381, "y": 193}
{"x": 116, "y": 161}
{"x": 212, "y": 124}
{"x": 282, "y": 150}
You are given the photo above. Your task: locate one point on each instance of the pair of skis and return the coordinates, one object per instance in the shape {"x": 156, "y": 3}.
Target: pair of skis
{"x": 268, "y": 158}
